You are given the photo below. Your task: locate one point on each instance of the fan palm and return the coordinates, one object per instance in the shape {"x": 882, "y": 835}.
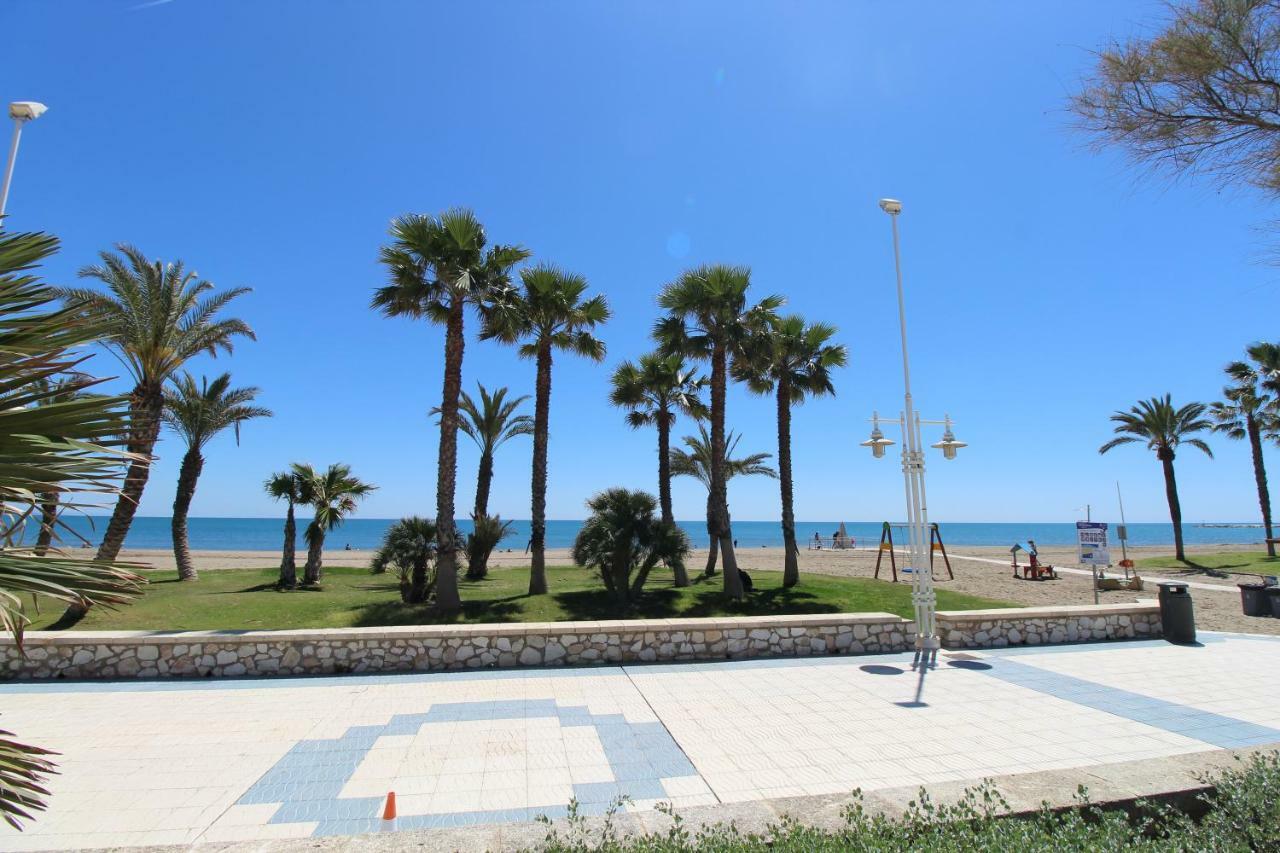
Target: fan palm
{"x": 287, "y": 486}
{"x": 437, "y": 265}
{"x": 155, "y": 317}
{"x": 1164, "y": 429}
{"x": 624, "y": 541}
{"x": 198, "y": 411}
{"x": 791, "y": 360}
{"x": 408, "y": 546}
{"x": 710, "y": 318}
{"x": 54, "y": 440}
{"x": 653, "y": 392}
{"x": 333, "y": 495}
{"x": 548, "y": 313}
{"x": 1247, "y": 412}
{"x": 695, "y": 462}
{"x": 490, "y": 425}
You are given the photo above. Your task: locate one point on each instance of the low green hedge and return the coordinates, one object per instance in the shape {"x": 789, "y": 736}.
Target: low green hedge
{"x": 1242, "y": 814}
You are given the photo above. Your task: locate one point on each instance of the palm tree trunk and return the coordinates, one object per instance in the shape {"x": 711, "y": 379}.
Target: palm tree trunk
{"x": 1175, "y": 508}
{"x": 188, "y": 475}
{"x": 48, "y": 518}
{"x": 541, "y": 417}
{"x": 791, "y": 560}
{"x": 288, "y": 566}
{"x": 313, "y": 571}
{"x": 679, "y": 571}
{"x": 447, "y": 598}
{"x": 484, "y": 481}
{"x": 145, "y": 404}
{"x": 722, "y": 527}
{"x": 418, "y": 587}
{"x": 1260, "y": 477}
{"x": 713, "y": 550}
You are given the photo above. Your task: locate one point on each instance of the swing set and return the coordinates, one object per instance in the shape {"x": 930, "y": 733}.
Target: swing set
{"x": 935, "y": 545}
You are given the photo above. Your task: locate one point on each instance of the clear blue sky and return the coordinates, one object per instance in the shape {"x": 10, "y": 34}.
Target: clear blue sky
{"x": 269, "y": 144}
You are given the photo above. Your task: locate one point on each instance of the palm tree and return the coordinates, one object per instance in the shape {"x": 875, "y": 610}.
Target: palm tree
{"x": 437, "y": 265}
{"x": 155, "y": 316}
{"x": 54, "y": 390}
{"x": 333, "y": 495}
{"x": 54, "y": 441}
{"x": 287, "y": 486}
{"x": 1164, "y": 429}
{"x": 793, "y": 361}
{"x": 624, "y": 541}
{"x": 696, "y": 463}
{"x": 549, "y": 314}
{"x": 710, "y": 318}
{"x": 1247, "y": 412}
{"x": 198, "y": 412}
{"x": 408, "y": 546}
{"x": 490, "y": 425}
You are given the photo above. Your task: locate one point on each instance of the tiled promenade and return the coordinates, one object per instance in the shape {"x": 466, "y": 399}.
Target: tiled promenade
{"x": 221, "y": 760}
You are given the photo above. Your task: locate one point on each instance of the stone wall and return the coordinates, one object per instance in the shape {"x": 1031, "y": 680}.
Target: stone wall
{"x": 148, "y": 654}
{"x": 1031, "y": 626}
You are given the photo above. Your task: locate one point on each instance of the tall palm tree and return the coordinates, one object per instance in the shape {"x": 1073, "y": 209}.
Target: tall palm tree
{"x": 792, "y": 360}
{"x": 1245, "y": 412}
{"x": 198, "y": 412}
{"x": 710, "y": 318}
{"x": 696, "y": 463}
{"x": 156, "y": 316}
{"x": 437, "y": 266}
{"x": 1163, "y": 428}
{"x": 490, "y": 425}
{"x": 548, "y": 313}
{"x": 333, "y": 494}
{"x": 289, "y": 487}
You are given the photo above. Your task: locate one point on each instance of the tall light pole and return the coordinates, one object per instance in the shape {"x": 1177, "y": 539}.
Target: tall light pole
{"x": 923, "y": 597}
{"x": 21, "y": 112}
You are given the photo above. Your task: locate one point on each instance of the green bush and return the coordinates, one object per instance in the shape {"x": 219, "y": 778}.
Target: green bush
{"x": 1243, "y": 814}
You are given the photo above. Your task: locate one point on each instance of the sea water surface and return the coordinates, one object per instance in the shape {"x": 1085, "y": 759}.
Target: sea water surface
{"x": 264, "y": 534}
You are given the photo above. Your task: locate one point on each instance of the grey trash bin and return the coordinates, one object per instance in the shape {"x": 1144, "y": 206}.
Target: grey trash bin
{"x": 1177, "y": 620}
{"x": 1253, "y": 599}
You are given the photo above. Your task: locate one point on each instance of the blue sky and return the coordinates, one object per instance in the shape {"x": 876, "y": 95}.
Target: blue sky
{"x": 269, "y": 144}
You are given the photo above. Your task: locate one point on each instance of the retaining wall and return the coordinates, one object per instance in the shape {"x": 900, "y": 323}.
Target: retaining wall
{"x": 1030, "y": 626}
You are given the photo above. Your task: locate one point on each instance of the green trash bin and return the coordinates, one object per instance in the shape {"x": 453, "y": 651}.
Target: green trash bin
{"x": 1177, "y": 619}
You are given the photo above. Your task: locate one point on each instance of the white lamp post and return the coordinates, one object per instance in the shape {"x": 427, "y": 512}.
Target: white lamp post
{"x": 21, "y": 112}
{"x": 922, "y": 595}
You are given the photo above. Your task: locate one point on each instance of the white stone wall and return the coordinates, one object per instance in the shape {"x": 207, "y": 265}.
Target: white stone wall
{"x": 1032, "y": 626}
{"x": 127, "y": 654}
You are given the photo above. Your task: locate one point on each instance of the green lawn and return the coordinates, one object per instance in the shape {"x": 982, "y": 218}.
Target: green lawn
{"x": 1245, "y": 562}
{"x": 245, "y": 599}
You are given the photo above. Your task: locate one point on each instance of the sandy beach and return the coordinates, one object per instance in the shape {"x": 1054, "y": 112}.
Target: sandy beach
{"x": 1216, "y": 609}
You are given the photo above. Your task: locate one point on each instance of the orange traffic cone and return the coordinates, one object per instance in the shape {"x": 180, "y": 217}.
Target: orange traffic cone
{"x": 389, "y": 813}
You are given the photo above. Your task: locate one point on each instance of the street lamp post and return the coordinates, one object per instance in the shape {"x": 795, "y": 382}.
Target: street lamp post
{"x": 21, "y": 112}
{"x": 923, "y": 597}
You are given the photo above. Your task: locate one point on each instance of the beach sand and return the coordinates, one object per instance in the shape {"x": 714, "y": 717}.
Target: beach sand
{"x": 1215, "y": 610}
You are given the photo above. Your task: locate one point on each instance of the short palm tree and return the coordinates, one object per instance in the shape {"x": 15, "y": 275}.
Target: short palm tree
{"x": 624, "y": 541}
{"x": 198, "y": 411}
{"x": 695, "y": 462}
{"x": 287, "y": 486}
{"x": 547, "y": 313}
{"x": 791, "y": 360}
{"x": 710, "y": 318}
{"x": 490, "y": 425}
{"x": 333, "y": 495}
{"x": 156, "y": 316}
{"x": 1247, "y": 412}
{"x": 437, "y": 266}
{"x": 53, "y": 441}
{"x": 1164, "y": 429}
{"x": 409, "y": 547}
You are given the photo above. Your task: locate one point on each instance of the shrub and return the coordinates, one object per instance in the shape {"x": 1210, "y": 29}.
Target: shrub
{"x": 488, "y": 531}
{"x": 408, "y": 547}
{"x": 624, "y": 540}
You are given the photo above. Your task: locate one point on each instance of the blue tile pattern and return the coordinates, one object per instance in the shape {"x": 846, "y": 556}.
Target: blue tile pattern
{"x": 308, "y": 779}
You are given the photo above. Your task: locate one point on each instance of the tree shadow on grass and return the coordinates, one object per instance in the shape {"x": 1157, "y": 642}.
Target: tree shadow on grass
{"x": 396, "y": 612}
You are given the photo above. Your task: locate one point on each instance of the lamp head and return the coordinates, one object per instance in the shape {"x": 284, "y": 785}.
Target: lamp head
{"x": 877, "y": 442}
{"x": 949, "y": 445}
{"x": 26, "y": 110}
{"x": 891, "y": 206}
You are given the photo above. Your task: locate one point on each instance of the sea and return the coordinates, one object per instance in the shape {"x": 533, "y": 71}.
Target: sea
{"x": 265, "y": 534}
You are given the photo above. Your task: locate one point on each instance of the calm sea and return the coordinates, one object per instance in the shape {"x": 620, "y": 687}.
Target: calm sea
{"x": 264, "y": 534}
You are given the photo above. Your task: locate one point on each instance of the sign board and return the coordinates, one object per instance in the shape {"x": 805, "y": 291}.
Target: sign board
{"x": 1122, "y": 532}
{"x": 1091, "y": 542}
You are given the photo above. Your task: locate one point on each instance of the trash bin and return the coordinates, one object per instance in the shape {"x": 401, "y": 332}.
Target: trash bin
{"x": 1273, "y": 593}
{"x": 1177, "y": 620}
{"x": 1253, "y": 599}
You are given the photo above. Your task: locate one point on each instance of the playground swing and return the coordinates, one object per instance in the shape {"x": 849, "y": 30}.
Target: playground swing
{"x": 935, "y": 545}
